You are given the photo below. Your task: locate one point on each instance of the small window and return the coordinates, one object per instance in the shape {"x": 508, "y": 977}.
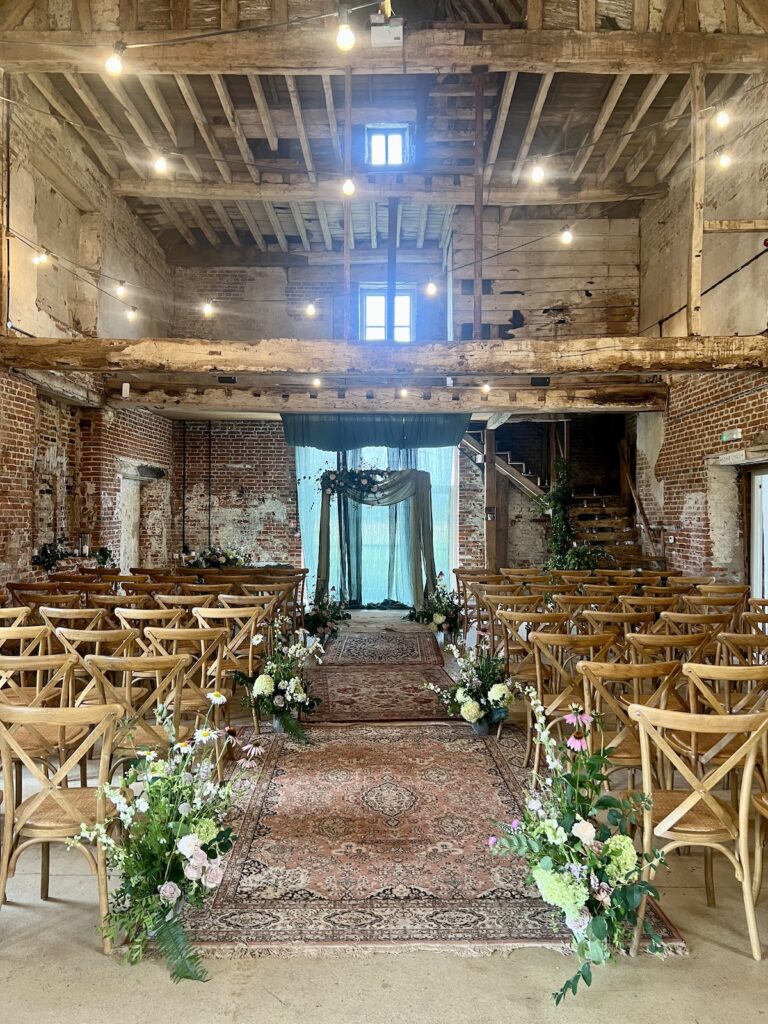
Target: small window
{"x": 373, "y": 313}
{"x": 387, "y": 146}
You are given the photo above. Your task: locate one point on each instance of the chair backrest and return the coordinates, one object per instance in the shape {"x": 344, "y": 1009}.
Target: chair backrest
{"x": 113, "y": 642}
{"x": 74, "y": 618}
{"x": 517, "y": 627}
{"x": 725, "y": 690}
{"x": 25, "y": 640}
{"x": 611, "y": 590}
{"x": 623, "y": 622}
{"x": 30, "y": 587}
{"x": 656, "y": 724}
{"x": 691, "y": 622}
{"x": 742, "y": 649}
{"x": 54, "y": 784}
{"x": 37, "y": 680}
{"x": 755, "y": 622}
{"x": 242, "y": 625}
{"x": 140, "y": 618}
{"x": 214, "y": 589}
{"x": 148, "y": 588}
{"x": 84, "y": 586}
{"x": 206, "y": 648}
{"x": 15, "y": 616}
{"x": 649, "y": 647}
{"x": 690, "y": 581}
{"x": 556, "y": 656}
{"x": 643, "y": 603}
{"x": 38, "y": 599}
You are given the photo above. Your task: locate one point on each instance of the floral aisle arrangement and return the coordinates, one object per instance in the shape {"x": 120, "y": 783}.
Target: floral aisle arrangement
{"x": 366, "y": 480}
{"x": 282, "y": 688}
{"x": 482, "y": 694}
{"x": 324, "y": 615}
{"x": 441, "y": 610}
{"x": 573, "y": 837}
{"x": 217, "y": 558}
{"x": 165, "y": 840}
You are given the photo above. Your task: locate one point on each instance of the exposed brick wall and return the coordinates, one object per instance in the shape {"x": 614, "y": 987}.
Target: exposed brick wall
{"x": 471, "y": 512}
{"x": 17, "y": 455}
{"x": 251, "y": 494}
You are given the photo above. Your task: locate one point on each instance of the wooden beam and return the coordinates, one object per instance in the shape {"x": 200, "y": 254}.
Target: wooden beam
{"x": 193, "y": 104}
{"x": 202, "y": 222}
{"x": 322, "y": 217}
{"x": 756, "y": 11}
{"x": 127, "y": 15}
{"x": 691, "y": 15}
{"x": 253, "y": 227}
{"x": 63, "y": 107}
{"x": 477, "y": 228}
{"x": 179, "y": 15}
{"x": 277, "y": 227}
{"x": 176, "y": 221}
{"x": 609, "y": 398}
{"x": 333, "y": 121}
{"x": 57, "y": 385}
{"x": 14, "y": 12}
{"x": 609, "y": 104}
{"x": 631, "y": 125}
{"x": 651, "y": 139}
{"x": 489, "y": 468}
{"x": 421, "y": 231}
{"x": 234, "y": 123}
{"x": 624, "y": 354}
{"x": 641, "y": 15}
{"x": 534, "y": 15}
{"x": 301, "y": 227}
{"x": 226, "y": 222}
{"x": 347, "y": 209}
{"x": 587, "y": 15}
{"x": 82, "y": 8}
{"x": 58, "y": 174}
{"x": 698, "y": 182}
{"x": 374, "y": 227}
{"x": 257, "y": 90}
{"x": 533, "y": 123}
{"x": 409, "y": 191}
{"x": 502, "y": 113}
{"x": 673, "y": 155}
{"x": 731, "y": 12}
{"x": 105, "y": 122}
{"x": 306, "y": 150}
{"x": 389, "y": 319}
{"x": 228, "y": 17}
{"x": 159, "y": 103}
{"x": 672, "y": 14}
{"x": 425, "y": 51}
{"x": 733, "y": 226}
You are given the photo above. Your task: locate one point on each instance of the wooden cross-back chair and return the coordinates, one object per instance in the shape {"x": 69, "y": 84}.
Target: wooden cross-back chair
{"x": 73, "y": 618}
{"x": 509, "y": 602}
{"x": 621, "y": 623}
{"x": 650, "y": 647}
{"x": 149, "y": 589}
{"x": 609, "y": 691}
{"x": 85, "y": 588}
{"x": 690, "y": 622}
{"x": 643, "y": 603}
{"x": 465, "y": 578}
{"x": 609, "y": 590}
{"x": 758, "y": 604}
{"x": 754, "y": 622}
{"x": 693, "y": 814}
{"x": 16, "y": 587}
{"x": 284, "y": 593}
{"x": 211, "y": 589}
{"x": 742, "y": 649}
{"x": 690, "y": 581}
{"x": 39, "y": 599}
{"x": 80, "y": 643}
{"x": 140, "y": 618}
{"x": 124, "y": 681}
{"x": 712, "y": 603}
{"x": 298, "y": 576}
{"x": 111, "y": 602}
{"x": 14, "y": 616}
{"x": 24, "y": 640}
{"x": 185, "y": 603}
{"x": 116, "y": 579}
{"x": 56, "y": 812}
{"x": 573, "y": 576}
{"x": 518, "y": 649}
{"x": 575, "y": 606}
{"x": 242, "y": 651}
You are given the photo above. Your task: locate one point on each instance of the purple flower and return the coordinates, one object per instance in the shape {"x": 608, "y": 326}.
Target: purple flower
{"x": 577, "y": 716}
{"x": 515, "y": 824}
{"x": 492, "y": 840}
{"x": 577, "y": 741}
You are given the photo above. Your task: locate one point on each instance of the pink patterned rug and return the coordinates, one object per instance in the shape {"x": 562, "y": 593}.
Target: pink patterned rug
{"x": 374, "y": 693}
{"x": 383, "y": 647}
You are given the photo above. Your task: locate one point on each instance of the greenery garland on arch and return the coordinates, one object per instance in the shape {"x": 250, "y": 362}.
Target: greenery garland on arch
{"x": 366, "y": 481}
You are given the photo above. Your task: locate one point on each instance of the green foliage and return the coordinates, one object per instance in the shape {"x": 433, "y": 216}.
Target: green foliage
{"x": 564, "y": 552}
{"x": 441, "y": 609}
{"x": 105, "y": 557}
{"x": 482, "y": 692}
{"x": 173, "y": 943}
{"x": 50, "y": 554}
{"x": 364, "y": 481}
{"x": 323, "y": 618}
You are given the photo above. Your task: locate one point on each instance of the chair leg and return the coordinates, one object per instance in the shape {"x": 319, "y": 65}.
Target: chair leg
{"x": 101, "y": 881}
{"x": 757, "y": 871}
{"x": 17, "y": 783}
{"x": 45, "y": 870}
{"x": 635, "y": 947}
{"x": 749, "y": 903}
{"x": 709, "y": 878}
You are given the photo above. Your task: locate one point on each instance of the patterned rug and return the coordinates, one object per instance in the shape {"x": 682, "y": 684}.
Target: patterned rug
{"x": 384, "y": 647}
{"x": 371, "y": 693}
{"x": 375, "y": 837}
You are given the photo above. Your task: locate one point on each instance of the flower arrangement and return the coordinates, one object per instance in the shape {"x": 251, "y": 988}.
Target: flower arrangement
{"x": 281, "y": 688}
{"x": 49, "y": 554}
{"x": 366, "y": 480}
{"x": 441, "y": 609}
{"x": 482, "y": 694}
{"x": 217, "y": 557}
{"x": 323, "y": 618}
{"x": 573, "y": 837}
{"x": 165, "y": 840}
{"x": 105, "y": 557}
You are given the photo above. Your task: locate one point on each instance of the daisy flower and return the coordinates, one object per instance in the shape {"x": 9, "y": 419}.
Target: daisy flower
{"x": 217, "y": 697}
{"x": 204, "y": 735}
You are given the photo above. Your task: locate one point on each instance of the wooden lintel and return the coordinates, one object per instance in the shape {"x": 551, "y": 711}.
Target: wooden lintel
{"x": 426, "y": 51}
{"x": 713, "y": 226}
{"x": 624, "y": 354}
{"x": 614, "y": 399}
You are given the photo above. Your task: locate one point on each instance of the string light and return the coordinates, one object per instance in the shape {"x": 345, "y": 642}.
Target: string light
{"x": 310, "y": 309}
{"x": 316, "y": 382}
{"x": 208, "y": 310}
{"x": 348, "y": 187}
{"x": 114, "y": 62}
{"x": 431, "y": 289}
{"x": 40, "y": 258}
{"x": 724, "y": 159}
{"x": 486, "y": 388}
{"x": 131, "y": 314}
{"x": 120, "y": 290}
{"x": 345, "y": 37}
{"x": 125, "y": 389}
{"x": 566, "y": 236}
{"x": 403, "y": 392}
{"x": 160, "y": 165}
{"x": 722, "y": 118}
{"x": 537, "y": 174}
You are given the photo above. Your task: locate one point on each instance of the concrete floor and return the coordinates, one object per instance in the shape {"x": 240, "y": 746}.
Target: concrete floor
{"x": 52, "y": 971}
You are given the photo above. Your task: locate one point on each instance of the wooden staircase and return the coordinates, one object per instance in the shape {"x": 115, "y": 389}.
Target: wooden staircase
{"x": 603, "y": 521}
{"x": 506, "y": 465}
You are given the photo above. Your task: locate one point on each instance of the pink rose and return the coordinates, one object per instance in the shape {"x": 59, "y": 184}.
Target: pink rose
{"x": 169, "y": 892}
{"x": 193, "y": 872}
{"x": 213, "y": 876}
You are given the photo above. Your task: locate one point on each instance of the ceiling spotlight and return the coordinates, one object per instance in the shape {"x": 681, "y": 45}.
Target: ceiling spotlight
{"x": 316, "y": 382}
{"x": 114, "y": 62}
{"x": 724, "y": 159}
{"x": 722, "y": 118}
{"x": 345, "y": 37}
{"x": 403, "y": 392}
{"x": 125, "y": 389}
{"x": 486, "y": 389}
{"x": 160, "y": 165}
{"x": 310, "y": 309}
{"x": 39, "y": 258}
{"x": 131, "y": 314}
{"x": 566, "y": 236}
{"x": 431, "y": 289}
{"x": 537, "y": 174}
{"x": 120, "y": 289}
{"x": 208, "y": 310}
{"x": 348, "y": 187}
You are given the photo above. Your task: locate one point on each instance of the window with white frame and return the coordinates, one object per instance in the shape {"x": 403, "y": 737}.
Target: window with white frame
{"x": 387, "y": 145}
{"x": 373, "y": 313}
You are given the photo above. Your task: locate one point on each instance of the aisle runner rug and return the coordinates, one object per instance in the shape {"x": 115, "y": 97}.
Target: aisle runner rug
{"x": 375, "y": 693}
{"x": 375, "y": 837}
{"x": 383, "y": 647}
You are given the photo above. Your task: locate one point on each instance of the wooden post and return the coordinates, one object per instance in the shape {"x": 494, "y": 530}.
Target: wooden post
{"x": 347, "y": 205}
{"x": 477, "y": 317}
{"x": 389, "y": 320}
{"x": 5, "y": 173}
{"x": 502, "y": 520}
{"x": 490, "y": 499}
{"x": 698, "y": 180}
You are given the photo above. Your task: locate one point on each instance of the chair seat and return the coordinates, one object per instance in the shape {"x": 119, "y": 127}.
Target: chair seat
{"x": 628, "y": 751}
{"x": 52, "y": 819}
{"x": 699, "y": 823}
{"x": 673, "y": 701}
{"x": 22, "y": 696}
{"x": 45, "y": 738}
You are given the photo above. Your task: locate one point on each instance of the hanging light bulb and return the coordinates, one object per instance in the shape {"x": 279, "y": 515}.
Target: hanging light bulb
{"x": 431, "y": 289}
{"x": 114, "y": 62}
{"x": 131, "y": 314}
{"x": 40, "y": 258}
{"x": 208, "y": 310}
{"x": 160, "y": 165}
{"x": 486, "y": 388}
{"x": 566, "y": 236}
{"x": 348, "y": 187}
{"x": 403, "y": 392}
{"x": 345, "y": 37}
{"x": 537, "y": 174}
{"x": 310, "y": 309}
{"x": 724, "y": 159}
{"x": 120, "y": 290}
{"x": 316, "y": 382}
{"x": 722, "y": 118}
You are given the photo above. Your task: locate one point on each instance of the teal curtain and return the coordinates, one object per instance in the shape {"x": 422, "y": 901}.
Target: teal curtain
{"x": 378, "y": 566}
{"x": 348, "y": 431}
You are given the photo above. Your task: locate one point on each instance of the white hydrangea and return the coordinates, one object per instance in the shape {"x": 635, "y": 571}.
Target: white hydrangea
{"x": 471, "y": 711}
{"x": 499, "y": 694}
{"x": 264, "y": 686}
